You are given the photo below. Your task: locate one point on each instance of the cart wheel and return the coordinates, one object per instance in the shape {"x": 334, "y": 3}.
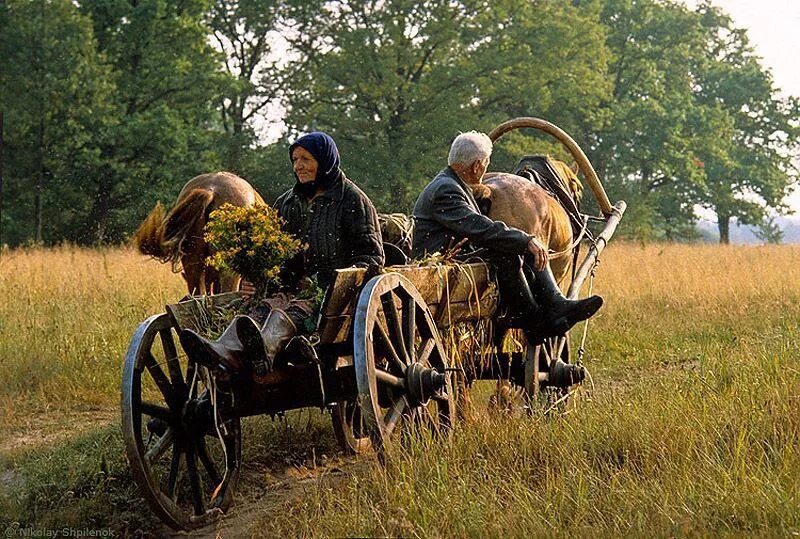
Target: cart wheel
{"x": 400, "y": 362}
{"x": 349, "y": 428}
{"x": 537, "y": 359}
{"x": 185, "y": 468}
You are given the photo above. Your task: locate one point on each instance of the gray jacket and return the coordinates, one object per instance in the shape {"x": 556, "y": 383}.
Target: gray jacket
{"x": 446, "y": 212}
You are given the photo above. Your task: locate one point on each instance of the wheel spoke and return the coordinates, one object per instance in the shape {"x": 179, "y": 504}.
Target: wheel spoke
{"x": 171, "y": 353}
{"x": 427, "y": 347}
{"x": 208, "y": 464}
{"x": 394, "y": 414}
{"x": 160, "y": 379}
{"x": 174, "y": 469}
{"x": 393, "y": 324}
{"x": 389, "y": 379}
{"x": 155, "y": 410}
{"x": 194, "y": 482}
{"x": 160, "y": 447}
{"x": 410, "y": 326}
{"x": 387, "y": 347}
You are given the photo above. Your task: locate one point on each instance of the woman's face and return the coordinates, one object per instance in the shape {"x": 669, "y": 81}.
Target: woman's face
{"x": 304, "y": 165}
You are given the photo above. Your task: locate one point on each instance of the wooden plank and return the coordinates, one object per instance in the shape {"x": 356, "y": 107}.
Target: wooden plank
{"x": 446, "y": 314}
{"x": 343, "y": 292}
{"x": 459, "y": 282}
{"x": 336, "y": 329}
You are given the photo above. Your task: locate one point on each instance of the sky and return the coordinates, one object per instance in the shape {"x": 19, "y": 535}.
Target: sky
{"x": 772, "y": 26}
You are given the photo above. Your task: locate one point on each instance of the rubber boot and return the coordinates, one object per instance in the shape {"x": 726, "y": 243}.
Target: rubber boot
{"x": 557, "y": 308}
{"x": 227, "y": 350}
{"x": 530, "y": 316}
{"x": 262, "y": 345}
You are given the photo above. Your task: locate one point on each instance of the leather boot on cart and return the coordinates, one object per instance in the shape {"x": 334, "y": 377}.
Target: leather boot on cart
{"x": 227, "y": 351}
{"x": 262, "y": 345}
{"x": 525, "y": 310}
{"x": 559, "y": 310}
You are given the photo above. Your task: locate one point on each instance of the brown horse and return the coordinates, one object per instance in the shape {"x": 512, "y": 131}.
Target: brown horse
{"x": 522, "y": 204}
{"x": 177, "y": 237}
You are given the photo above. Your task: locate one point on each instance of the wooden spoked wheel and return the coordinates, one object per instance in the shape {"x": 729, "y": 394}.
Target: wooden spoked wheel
{"x": 400, "y": 363}
{"x": 349, "y": 428}
{"x": 185, "y": 461}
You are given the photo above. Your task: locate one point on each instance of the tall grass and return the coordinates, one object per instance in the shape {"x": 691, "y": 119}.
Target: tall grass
{"x": 66, "y": 317}
{"x": 692, "y": 427}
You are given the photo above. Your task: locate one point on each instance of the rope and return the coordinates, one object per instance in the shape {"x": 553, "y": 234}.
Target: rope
{"x": 208, "y": 380}
{"x": 582, "y": 348}
{"x": 575, "y": 242}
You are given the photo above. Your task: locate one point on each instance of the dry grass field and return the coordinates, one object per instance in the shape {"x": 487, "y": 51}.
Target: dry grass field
{"x": 691, "y": 426}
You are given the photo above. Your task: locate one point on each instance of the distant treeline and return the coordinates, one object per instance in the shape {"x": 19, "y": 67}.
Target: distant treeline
{"x": 110, "y": 105}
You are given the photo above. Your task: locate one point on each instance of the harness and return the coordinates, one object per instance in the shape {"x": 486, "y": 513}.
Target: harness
{"x": 539, "y": 169}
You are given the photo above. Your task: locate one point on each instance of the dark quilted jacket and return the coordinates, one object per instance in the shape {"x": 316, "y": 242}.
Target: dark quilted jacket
{"x": 340, "y": 227}
{"x": 446, "y": 213}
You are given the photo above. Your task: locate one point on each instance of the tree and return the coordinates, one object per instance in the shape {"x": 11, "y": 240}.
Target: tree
{"x": 168, "y": 82}
{"x": 250, "y": 33}
{"x": 645, "y": 145}
{"x": 769, "y": 231}
{"x": 54, "y": 90}
{"x": 396, "y": 81}
{"x": 750, "y": 133}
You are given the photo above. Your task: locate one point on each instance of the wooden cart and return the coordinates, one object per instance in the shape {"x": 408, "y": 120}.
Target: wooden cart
{"x": 380, "y": 367}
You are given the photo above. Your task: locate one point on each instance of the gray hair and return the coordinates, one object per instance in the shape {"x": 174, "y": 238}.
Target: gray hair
{"x": 469, "y": 147}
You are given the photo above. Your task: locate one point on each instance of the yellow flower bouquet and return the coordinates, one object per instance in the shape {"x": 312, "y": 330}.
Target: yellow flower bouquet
{"x": 249, "y": 241}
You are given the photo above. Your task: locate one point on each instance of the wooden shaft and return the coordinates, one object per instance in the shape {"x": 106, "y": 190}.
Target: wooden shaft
{"x": 600, "y": 243}
{"x": 575, "y": 150}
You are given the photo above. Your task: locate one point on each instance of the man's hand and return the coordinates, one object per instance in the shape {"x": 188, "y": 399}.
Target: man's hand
{"x": 539, "y": 253}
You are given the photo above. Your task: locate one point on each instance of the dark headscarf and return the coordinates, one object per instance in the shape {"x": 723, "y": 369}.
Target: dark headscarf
{"x": 323, "y": 148}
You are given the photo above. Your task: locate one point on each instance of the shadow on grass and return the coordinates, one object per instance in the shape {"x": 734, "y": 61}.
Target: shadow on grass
{"x": 87, "y": 483}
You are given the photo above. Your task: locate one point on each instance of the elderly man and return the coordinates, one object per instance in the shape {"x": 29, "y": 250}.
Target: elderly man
{"x": 447, "y": 214}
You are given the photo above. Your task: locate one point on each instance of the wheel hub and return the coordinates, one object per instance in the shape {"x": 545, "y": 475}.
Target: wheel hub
{"x": 565, "y": 374}
{"x": 197, "y": 416}
{"x": 422, "y": 383}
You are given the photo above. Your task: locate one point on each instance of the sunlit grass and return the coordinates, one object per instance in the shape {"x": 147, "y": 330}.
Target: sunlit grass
{"x": 66, "y": 318}
{"x": 692, "y": 427}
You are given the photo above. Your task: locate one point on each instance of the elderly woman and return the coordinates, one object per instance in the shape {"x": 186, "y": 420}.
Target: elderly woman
{"x": 338, "y": 224}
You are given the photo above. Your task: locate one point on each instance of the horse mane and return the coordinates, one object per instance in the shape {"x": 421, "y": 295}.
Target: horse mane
{"x": 569, "y": 177}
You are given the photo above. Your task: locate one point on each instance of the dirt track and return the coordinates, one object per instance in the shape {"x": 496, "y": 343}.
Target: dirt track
{"x": 254, "y": 505}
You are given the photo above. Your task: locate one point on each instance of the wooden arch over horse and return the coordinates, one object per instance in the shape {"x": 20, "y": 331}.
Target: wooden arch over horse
{"x": 523, "y": 204}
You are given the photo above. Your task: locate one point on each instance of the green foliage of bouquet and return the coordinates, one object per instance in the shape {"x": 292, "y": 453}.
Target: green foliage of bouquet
{"x": 250, "y": 242}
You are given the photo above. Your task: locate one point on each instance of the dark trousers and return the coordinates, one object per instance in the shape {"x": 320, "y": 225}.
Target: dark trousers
{"x": 515, "y": 288}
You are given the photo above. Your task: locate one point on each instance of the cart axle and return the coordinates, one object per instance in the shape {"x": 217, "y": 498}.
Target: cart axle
{"x": 423, "y": 382}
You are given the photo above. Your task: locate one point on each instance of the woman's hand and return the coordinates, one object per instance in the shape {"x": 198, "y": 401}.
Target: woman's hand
{"x": 247, "y": 288}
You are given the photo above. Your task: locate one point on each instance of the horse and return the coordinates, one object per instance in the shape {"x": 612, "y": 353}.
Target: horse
{"x": 521, "y": 203}
{"x": 177, "y": 237}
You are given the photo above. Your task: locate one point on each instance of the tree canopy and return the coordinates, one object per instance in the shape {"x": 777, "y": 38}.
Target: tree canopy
{"x": 111, "y": 105}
